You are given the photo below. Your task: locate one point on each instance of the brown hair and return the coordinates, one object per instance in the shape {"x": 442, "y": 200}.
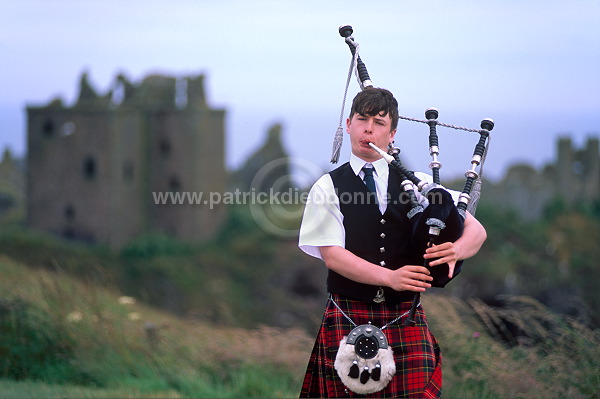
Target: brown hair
{"x": 372, "y": 101}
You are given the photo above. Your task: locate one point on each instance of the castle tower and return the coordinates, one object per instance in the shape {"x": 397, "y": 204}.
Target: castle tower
{"x": 94, "y": 168}
{"x": 591, "y": 160}
{"x": 566, "y": 168}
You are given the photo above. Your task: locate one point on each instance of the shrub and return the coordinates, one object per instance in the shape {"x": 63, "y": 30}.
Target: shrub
{"x": 31, "y": 346}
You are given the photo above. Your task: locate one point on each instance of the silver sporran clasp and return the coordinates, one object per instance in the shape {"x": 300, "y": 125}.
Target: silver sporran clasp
{"x": 379, "y": 297}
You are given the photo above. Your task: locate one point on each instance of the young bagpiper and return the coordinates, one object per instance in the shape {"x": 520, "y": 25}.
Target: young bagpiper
{"x": 355, "y": 222}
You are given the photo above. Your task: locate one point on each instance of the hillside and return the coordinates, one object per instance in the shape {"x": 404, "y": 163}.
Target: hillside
{"x": 57, "y": 329}
{"x": 65, "y": 325}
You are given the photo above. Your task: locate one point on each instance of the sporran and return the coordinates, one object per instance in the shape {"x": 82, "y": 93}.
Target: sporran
{"x": 365, "y": 361}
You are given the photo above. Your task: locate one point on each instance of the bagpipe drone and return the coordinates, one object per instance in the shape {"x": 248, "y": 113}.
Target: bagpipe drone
{"x": 441, "y": 220}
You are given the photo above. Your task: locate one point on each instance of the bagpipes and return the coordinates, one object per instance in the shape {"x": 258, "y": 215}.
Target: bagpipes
{"x": 441, "y": 220}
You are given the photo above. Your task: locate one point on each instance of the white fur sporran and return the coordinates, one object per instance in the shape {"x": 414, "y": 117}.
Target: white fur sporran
{"x": 364, "y": 361}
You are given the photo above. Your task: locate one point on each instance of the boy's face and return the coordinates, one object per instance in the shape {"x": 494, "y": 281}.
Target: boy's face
{"x": 369, "y": 129}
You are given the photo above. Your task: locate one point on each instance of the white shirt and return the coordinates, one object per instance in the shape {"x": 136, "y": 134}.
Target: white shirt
{"x": 323, "y": 222}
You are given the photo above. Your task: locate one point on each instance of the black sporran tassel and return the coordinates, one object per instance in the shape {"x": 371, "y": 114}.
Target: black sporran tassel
{"x": 364, "y": 376}
{"x": 354, "y": 371}
{"x": 376, "y": 373}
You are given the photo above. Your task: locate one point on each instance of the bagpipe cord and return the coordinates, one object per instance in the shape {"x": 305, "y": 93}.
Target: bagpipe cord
{"x": 339, "y": 134}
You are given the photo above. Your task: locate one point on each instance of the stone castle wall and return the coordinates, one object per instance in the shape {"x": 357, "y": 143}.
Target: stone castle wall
{"x": 93, "y": 167}
{"x": 574, "y": 178}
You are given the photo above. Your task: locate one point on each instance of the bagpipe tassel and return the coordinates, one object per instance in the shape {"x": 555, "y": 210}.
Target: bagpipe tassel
{"x": 337, "y": 144}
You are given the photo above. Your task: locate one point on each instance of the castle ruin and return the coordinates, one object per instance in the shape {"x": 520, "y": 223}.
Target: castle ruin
{"x": 574, "y": 178}
{"x": 93, "y": 168}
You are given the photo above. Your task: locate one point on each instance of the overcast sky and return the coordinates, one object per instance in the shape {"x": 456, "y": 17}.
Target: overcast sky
{"x": 532, "y": 66}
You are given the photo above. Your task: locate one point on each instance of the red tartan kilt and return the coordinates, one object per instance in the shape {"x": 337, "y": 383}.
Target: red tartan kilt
{"x": 416, "y": 352}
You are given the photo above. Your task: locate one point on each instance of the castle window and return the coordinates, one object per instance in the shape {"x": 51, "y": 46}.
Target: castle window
{"x": 48, "y": 128}
{"x": 174, "y": 184}
{"x": 181, "y": 88}
{"x": 128, "y": 171}
{"x": 67, "y": 129}
{"x": 68, "y": 233}
{"x": 578, "y": 167}
{"x": 69, "y": 213}
{"x": 89, "y": 168}
{"x": 118, "y": 94}
{"x": 164, "y": 147}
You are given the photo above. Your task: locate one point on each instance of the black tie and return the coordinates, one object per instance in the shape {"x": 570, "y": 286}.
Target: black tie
{"x": 369, "y": 181}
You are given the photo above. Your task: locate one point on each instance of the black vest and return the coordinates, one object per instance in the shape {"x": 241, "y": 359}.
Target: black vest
{"x": 380, "y": 239}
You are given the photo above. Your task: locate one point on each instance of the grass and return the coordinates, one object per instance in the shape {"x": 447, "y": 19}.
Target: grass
{"x": 41, "y": 390}
{"x": 541, "y": 354}
{"x": 119, "y": 347}
{"x": 87, "y": 340}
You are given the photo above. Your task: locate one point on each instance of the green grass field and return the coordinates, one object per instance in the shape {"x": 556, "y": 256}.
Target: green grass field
{"x": 64, "y": 337}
